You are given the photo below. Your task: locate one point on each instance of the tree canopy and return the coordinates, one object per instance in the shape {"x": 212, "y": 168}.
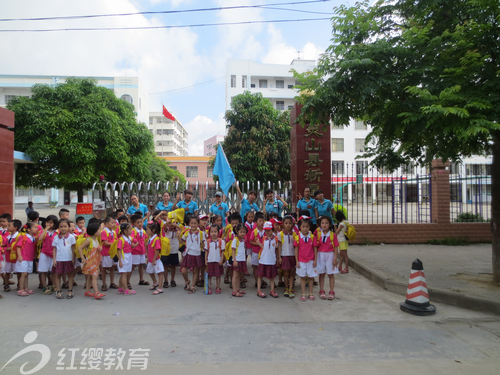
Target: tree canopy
{"x": 257, "y": 144}
{"x": 76, "y": 132}
{"x": 424, "y": 74}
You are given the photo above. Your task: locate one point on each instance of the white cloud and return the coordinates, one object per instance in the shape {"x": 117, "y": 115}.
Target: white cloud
{"x": 202, "y": 128}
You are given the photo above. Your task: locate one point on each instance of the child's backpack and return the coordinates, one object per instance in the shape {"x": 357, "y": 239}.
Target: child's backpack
{"x": 79, "y": 242}
{"x": 350, "y": 232}
{"x": 113, "y": 250}
{"x": 165, "y": 245}
{"x": 13, "y": 247}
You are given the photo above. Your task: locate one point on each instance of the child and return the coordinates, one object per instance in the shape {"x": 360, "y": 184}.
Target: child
{"x": 80, "y": 226}
{"x": 194, "y": 242}
{"x": 155, "y": 266}
{"x": 343, "y": 244}
{"x": 239, "y": 258}
{"x": 108, "y": 236}
{"x": 125, "y": 258}
{"x": 250, "y": 224}
{"x": 305, "y": 257}
{"x": 90, "y": 253}
{"x": 139, "y": 251}
{"x": 203, "y": 228}
{"x": 214, "y": 257}
{"x": 326, "y": 245}
{"x": 4, "y": 234}
{"x": 171, "y": 230}
{"x": 13, "y": 228}
{"x": 63, "y": 247}
{"x": 72, "y": 228}
{"x": 257, "y": 241}
{"x": 269, "y": 257}
{"x": 25, "y": 256}
{"x": 229, "y": 235}
{"x": 288, "y": 262}
{"x": 217, "y": 220}
{"x": 46, "y": 260}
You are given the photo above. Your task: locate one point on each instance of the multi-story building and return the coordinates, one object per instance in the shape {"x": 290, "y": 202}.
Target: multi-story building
{"x": 194, "y": 168}
{"x": 170, "y": 137}
{"x": 274, "y": 81}
{"x": 208, "y": 145}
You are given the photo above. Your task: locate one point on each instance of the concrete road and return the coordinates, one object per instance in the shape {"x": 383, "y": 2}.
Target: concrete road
{"x": 363, "y": 331}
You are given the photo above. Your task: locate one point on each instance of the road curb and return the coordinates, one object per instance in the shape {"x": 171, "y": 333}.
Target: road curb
{"x": 435, "y": 294}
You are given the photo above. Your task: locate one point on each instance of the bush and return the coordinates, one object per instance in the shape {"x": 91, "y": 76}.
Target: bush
{"x": 469, "y": 217}
{"x": 450, "y": 241}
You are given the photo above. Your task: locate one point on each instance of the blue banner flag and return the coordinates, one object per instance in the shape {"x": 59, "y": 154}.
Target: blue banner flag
{"x": 223, "y": 170}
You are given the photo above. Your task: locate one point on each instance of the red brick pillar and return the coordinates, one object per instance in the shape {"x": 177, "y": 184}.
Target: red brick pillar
{"x": 6, "y": 161}
{"x": 310, "y": 155}
{"x": 440, "y": 180}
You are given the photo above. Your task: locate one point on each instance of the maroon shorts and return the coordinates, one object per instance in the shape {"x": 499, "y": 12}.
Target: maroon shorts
{"x": 63, "y": 267}
{"x": 268, "y": 271}
{"x": 214, "y": 269}
{"x": 192, "y": 261}
{"x": 288, "y": 263}
{"x": 242, "y": 267}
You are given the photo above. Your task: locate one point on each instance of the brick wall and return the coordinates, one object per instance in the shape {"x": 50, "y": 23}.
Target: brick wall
{"x": 6, "y": 161}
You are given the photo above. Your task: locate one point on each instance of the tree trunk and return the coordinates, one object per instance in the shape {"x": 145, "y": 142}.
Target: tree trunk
{"x": 80, "y": 193}
{"x": 495, "y": 207}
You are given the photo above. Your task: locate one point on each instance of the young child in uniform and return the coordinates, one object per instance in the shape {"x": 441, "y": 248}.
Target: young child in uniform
{"x": 343, "y": 243}
{"x": 239, "y": 258}
{"x": 194, "y": 242}
{"x": 257, "y": 242}
{"x": 288, "y": 263}
{"x": 250, "y": 224}
{"x": 172, "y": 231}
{"x": 269, "y": 259}
{"x": 14, "y": 226}
{"x": 46, "y": 259}
{"x": 214, "y": 257}
{"x": 90, "y": 253}
{"x": 63, "y": 247}
{"x": 108, "y": 236}
{"x": 125, "y": 258}
{"x": 155, "y": 266}
{"x": 203, "y": 219}
{"x": 4, "y": 233}
{"x": 306, "y": 258}
{"x": 327, "y": 246}
{"x": 139, "y": 251}
{"x": 25, "y": 256}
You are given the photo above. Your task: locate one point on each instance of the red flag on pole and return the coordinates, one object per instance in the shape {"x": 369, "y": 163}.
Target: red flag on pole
{"x": 167, "y": 114}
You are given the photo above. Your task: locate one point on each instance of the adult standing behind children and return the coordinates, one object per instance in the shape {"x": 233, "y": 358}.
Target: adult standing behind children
{"x": 249, "y": 204}
{"x": 165, "y": 204}
{"x": 324, "y": 207}
{"x": 136, "y": 206}
{"x": 307, "y": 203}
{"x": 273, "y": 203}
{"x": 219, "y": 208}
{"x": 190, "y": 206}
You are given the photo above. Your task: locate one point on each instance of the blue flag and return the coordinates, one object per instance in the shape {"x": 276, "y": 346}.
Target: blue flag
{"x": 223, "y": 170}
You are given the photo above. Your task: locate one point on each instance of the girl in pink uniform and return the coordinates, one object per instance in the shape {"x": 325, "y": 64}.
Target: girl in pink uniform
{"x": 155, "y": 266}
{"x": 46, "y": 255}
{"x": 25, "y": 257}
{"x": 305, "y": 256}
{"x": 139, "y": 252}
{"x": 327, "y": 247}
{"x": 125, "y": 258}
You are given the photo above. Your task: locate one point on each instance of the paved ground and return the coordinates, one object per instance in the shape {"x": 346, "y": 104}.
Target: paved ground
{"x": 361, "y": 332}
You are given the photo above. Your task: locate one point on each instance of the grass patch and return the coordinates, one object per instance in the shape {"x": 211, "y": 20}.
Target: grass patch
{"x": 450, "y": 241}
{"x": 365, "y": 242}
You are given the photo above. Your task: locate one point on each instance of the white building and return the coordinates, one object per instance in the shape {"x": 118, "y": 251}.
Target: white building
{"x": 209, "y": 145}
{"x": 126, "y": 88}
{"x": 170, "y": 137}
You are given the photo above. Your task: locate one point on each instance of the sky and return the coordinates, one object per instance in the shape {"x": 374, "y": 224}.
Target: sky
{"x": 164, "y": 59}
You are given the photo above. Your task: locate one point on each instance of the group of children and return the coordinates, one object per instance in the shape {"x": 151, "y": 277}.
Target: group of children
{"x": 287, "y": 248}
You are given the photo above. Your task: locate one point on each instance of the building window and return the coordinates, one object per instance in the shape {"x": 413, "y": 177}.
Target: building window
{"x": 150, "y": 120}
{"x": 337, "y": 144}
{"x": 244, "y": 81}
{"x": 337, "y": 167}
{"x": 8, "y": 98}
{"x": 290, "y": 107}
{"x": 290, "y": 86}
{"x": 209, "y": 145}
{"x": 158, "y": 131}
{"x": 478, "y": 169}
{"x": 191, "y": 172}
{"x": 263, "y": 83}
{"x": 210, "y": 172}
{"x": 360, "y": 145}
{"x": 233, "y": 81}
{"x": 280, "y": 84}
{"x": 252, "y": 85}
{"x": 337, "y": 127}
{"x": 174, "y": 167}
{"x": 159, "y": 143}
{"x": 158, "y": 154}
{"x": 127, "y": 98}
{"x": 152, "y": 131}
{"x": 362, "y": 167}
{"x": 360, "y": 125}
{"x": 280, "y": 104}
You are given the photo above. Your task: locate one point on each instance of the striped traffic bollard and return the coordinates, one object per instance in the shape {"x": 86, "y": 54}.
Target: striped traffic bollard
{"x": 417, "y": 296}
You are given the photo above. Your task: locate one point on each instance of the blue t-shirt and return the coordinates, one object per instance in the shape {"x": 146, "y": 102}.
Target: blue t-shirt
{"x": 220, "y": 210}
{"x": 160, "y": 206}
{"x": 246, "y": 207}
{"x": 142, "y": 207}
{"x": 274, "y": 207}
{"x": 192, "y": 206}
{"x": 303, "y": 205}
{"x": 325, "y": 208}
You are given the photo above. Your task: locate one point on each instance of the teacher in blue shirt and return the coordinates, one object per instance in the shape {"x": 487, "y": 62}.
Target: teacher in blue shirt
{"x": 273, "y": 203}
{"x": 219, "y": 208}
{"x": 165, "y": 205}
{"x": 249, "y": 204}
{"x": 324, "y": 207}
{"x": 190, "y": 206}
{"x": 136, "y": 206}
{"x": 307, "y": 203}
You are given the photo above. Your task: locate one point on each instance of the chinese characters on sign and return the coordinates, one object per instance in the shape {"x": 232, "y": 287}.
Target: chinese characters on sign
{"x": 103, "y": 359}
{"x": 313, "y": 175}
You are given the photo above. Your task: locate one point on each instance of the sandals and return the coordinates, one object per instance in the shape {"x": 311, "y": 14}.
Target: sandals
{"x": 172, "y": 284}
{"x": 209, "y": 291}
{"x": 273, "y": 294}
{"x": 186, "y": 285}
{"x": 241, "y": 291}
{"x": 143, "y": 282}
{"x": 113, "y": 286}
{"x": 345, "y": 270}
{"x": 226, "y": 280}
{"x": 59, "y": 295}
{"x": 89, "y": 294}
{"x": 121, "y": 291}
{"x": 200, "y": 283}
{"x": 243, "y": 285}
{"x": 261, "y": 294}
{"x": 154, "y": 286}
{"x": 331, "y": 296}
{"x": 218, "y": 291}
{"x": 29, "y": 291}
{"x": 303, "y": 298}
{"x": 104, "y": 287}
{"x": 291, "y": 294}
{"x": 129, "y": 292}
{"x": 322, "y": 294}
{"x": 47, "y": 291}
{"x": 99, "y": 295}
{"x": 6, "y": 288}
{"x": 165, "y": 284}
{"x": 286, "y": 294}
{"x": 157, "y": 291}
{"x": 237, "y": 294}
{"x": 191, "y": 290}
{"x": 70, "y": 294}
{"x": 22, "y": 293}
{"x": 311, "y": 297}
{"x": 129, "y": 286}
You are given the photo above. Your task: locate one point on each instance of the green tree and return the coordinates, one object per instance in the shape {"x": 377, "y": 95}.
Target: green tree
{"x": 76, "y": 132}
{"x": 424, "y": 74}
{"x": 257, "y": 144}
{"x": 160, "y": 171}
